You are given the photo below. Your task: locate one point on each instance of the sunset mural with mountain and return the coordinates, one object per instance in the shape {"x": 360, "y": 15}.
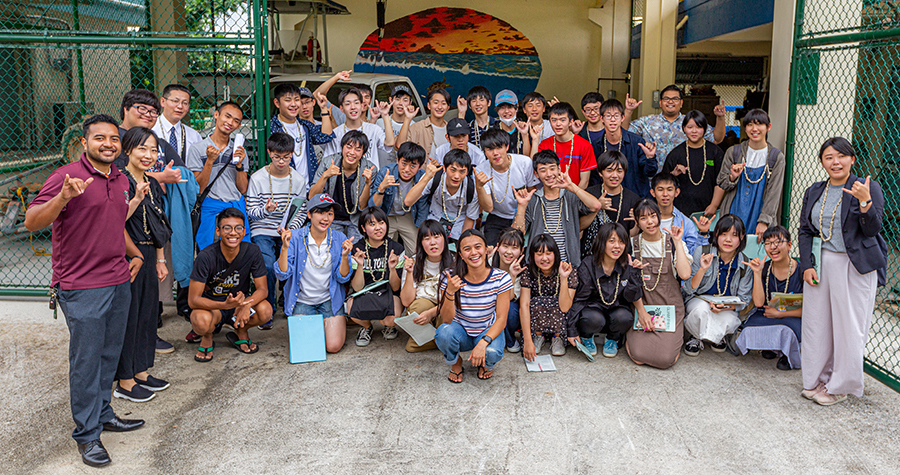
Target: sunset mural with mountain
{"x": 455, "y": 47}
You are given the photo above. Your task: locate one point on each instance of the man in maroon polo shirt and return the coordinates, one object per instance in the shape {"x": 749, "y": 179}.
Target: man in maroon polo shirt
{"x": 87, "y": 203}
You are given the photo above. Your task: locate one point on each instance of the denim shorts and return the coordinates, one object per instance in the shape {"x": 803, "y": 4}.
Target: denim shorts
{"x": 323, "y": 309}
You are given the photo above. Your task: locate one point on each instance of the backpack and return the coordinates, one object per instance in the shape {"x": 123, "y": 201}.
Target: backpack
{"x": 470, "y": 188}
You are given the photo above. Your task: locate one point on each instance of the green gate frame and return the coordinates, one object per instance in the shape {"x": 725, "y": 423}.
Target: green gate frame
{"x": 871, "y": 367}
{"x": 258, "y": 40}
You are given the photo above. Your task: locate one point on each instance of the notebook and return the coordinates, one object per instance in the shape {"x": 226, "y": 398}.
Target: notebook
{"x": 306, "y": 337}
{"x": 540, "y": 364}
{"x": 784, "y": 302}
{"x": 663, "y": 318}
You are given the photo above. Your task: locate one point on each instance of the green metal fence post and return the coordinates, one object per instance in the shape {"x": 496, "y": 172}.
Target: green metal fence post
{"x": 82, "y": 97}
{"x": 791, "y": 118}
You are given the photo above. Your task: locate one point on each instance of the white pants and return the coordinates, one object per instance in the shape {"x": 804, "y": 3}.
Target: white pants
{"x": 704, "y": 324}
{"x": 837, "y": 314}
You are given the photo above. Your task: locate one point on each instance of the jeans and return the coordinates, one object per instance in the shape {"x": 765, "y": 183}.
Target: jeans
{"x": 270, "y": 246}
{"x": 452, "y": 339}
{"x": 512, "y": 324}
{"x": 96, "y": 319}
{"x": 323, "y": 309}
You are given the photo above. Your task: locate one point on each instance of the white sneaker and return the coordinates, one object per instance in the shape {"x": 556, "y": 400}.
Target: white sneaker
{"x": 538, "y": 343}
{"x": 390, "y": 333}
{"x": 364, "y": 337}
{"x": 557, "y": 346}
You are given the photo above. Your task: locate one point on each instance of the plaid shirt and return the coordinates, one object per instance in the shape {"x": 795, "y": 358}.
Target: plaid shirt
{"x": 666, "y": 135}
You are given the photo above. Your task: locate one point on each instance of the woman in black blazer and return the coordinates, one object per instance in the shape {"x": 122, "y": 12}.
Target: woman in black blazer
{"x": 844, "y": 213}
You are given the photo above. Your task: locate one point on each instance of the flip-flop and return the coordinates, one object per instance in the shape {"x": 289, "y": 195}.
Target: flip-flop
{"x": 583, "y": 349}
{"x": 205, "y": 351}
{"x": 459, "y": 375}
{"x": 483, "y": 371}
{"x": 233, "y": 339}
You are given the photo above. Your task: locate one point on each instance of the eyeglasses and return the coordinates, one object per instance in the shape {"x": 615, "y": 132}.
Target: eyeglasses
{"x": 281, "y": 158}
{"x": 612, "y": 116}
{"x": 774, "y": 243}
{"x": 176, "y": 102}
{"x": 146, "y": 110}
{"x": 670, "y": 99}
{"x": 228, "y": 229}
{"x": 591, "y": 110}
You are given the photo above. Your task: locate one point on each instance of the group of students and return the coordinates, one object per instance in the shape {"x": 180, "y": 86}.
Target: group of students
{"x": 503, "y": 234}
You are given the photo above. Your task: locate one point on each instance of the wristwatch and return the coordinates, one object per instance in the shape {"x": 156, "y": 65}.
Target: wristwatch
{"x": 863, "y": 204}
{"x": 488, "y": 339}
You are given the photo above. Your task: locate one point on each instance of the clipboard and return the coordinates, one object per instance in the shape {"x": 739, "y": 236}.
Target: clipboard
{"x": 421, "y": 334}
{"x": 754, "y": 248}
{"x": 368, "y": 288}
{"x": 306, "y": 338}
{"x": 295, "y": 206}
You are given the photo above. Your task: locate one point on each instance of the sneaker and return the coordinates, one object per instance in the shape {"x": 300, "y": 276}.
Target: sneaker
{"x": 192, "y": 337}
{"x": 783, "y": 363}
{"x": 517, "y": 347}
{"x": 137, "y": 394}
{"x": 538, "y": 343}
{"x": 719, "y": 347}
{"x": 610, "y": 348}
{"x": 364, "y": 337}
{"x": 589, "y": 344}
{"x": 693, "y": 347}
{"x": 163, "y": 346}
{"x": 153, "y": 384}
{"x": 390, "y": 333}
{"x": 266, "y": 326}
{"x": 557, "y": 346}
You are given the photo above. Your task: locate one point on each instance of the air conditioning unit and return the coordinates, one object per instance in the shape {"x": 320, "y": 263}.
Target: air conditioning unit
{"x": 65, "y": 114}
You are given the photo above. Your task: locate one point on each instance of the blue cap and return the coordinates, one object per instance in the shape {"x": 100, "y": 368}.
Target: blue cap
{"x": 506, "y": 97}
{"x": 321, "y": 201}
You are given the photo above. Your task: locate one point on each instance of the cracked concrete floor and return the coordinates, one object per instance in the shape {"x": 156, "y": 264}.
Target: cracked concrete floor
{"x": 381, "y": 410}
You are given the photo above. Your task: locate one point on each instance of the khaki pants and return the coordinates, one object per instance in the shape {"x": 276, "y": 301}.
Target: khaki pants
{"x": 419, "y": 306}
{"x": 404, "y": 230}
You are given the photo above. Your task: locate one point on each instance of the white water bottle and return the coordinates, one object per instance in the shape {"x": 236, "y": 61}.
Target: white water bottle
{"x": 238, "y": 143}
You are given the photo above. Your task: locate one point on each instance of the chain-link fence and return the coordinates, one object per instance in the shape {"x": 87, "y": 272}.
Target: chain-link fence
{"x": 63, "y": 60}
{"x": 845, "y": 81}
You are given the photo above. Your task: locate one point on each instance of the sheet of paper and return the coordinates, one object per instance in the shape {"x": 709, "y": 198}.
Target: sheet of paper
{"x": 421, "y": 334}
{"x": 754, "y": 248}
{"x": 541, "y": 363}
{"x": 306, "y": 338}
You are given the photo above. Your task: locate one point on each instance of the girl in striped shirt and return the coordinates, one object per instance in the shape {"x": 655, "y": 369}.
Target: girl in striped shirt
{"x": 474, "y": 306}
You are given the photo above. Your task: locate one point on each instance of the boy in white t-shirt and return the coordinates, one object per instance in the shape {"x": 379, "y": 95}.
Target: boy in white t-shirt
{"x": 507, "y": 172}
{"x": 381, "y": 142}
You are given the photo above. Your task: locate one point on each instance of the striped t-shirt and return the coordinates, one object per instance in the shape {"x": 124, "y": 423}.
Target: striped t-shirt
{"x": 554, "y": 216}
{"x": 282, "y": 191}
{"x": 478, "y": 301}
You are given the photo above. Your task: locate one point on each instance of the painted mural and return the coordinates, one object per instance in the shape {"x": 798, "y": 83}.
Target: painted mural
{"x": 455, "y": 48}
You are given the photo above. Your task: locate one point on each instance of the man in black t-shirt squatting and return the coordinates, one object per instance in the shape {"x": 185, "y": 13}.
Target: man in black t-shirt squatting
{"x": 216, "y": 298}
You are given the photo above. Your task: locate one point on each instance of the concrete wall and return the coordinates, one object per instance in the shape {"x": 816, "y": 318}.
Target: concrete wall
{"x": 567, "y": 41}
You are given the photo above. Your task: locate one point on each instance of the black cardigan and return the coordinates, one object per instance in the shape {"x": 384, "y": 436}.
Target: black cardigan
{"x": 861, "y": 231}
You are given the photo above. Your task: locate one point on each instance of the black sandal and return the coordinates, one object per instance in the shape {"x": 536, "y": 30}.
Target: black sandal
{"x": 458, "y": 375}
{"x": 482, "y": 371}
{"x": 233, "y": 338}
{"x": 205, "y": 351}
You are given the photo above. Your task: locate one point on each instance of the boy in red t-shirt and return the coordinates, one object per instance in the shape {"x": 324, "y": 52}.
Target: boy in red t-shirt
{"x": 576, "y": 155}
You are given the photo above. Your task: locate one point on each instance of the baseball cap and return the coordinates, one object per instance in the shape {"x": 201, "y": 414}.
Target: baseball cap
{"x": 400, "y": 89}
{"x": 458, "y": 126}
{"x": 322, "y": 201}
{"x": 305, "y": 92}
{"x": 506, "y": 97}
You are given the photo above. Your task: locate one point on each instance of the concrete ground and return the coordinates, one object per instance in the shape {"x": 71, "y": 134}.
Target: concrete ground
{"x": 381, "y": 410}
